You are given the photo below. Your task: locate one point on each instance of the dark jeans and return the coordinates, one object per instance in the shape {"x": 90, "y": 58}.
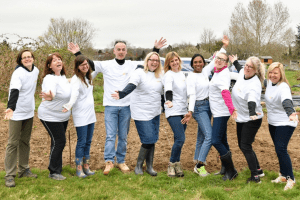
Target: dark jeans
{"x": 57, "y": 132}
{"x": 219, "y": 134}
{"x": 281, "y": 136}
{"x": 246, "y": 134}
{"x": 84, "y": 140}
{"x": 179, "y": 136}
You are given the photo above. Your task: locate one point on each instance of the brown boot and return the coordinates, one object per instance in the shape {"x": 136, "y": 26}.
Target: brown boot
{"x": 109, "y": 165}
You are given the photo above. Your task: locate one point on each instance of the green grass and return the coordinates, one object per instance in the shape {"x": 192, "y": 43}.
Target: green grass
{"x": 292, "y": 78}
{"x": 130, "y": 186}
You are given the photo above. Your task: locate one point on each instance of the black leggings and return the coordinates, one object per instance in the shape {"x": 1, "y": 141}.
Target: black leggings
{"x": 246, "y": 134}
{"x": 147, "y": 146}
{"x": 57, "y": 132}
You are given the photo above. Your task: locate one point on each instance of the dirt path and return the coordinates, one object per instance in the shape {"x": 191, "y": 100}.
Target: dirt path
{"x": 263, "y": 145}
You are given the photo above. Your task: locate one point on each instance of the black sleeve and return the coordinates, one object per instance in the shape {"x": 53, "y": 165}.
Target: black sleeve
{"x": 140, "y": 67}
{"x": 91, "y": 63}
{"x": 13, "y": 98}
{"x": 155, "y": 49}
{"x": 265, "y": 83}
{"x": 237, "y": 65}
{"x": 169, "y": 95}
{"x": 288, "y": 106}
{"x": 251, "y": 107}
{"x": 127, "y": 90}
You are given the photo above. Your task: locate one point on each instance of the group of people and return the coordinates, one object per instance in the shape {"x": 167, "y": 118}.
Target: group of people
{"x": 135, "y": 91}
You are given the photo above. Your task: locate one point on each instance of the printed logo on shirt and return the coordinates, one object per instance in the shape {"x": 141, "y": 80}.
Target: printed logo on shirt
{"x": 124, "y": 73}
{"x": 270, "y": 97}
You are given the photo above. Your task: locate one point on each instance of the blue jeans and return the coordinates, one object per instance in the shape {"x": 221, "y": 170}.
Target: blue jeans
{"x": 202, "y": 115}
{"x": 84, "y": 140}
{"x": 148, "y": 130}
{"x": 179, "y": 136}
{"x": 219, "y": 135}
{"x": 117, "y": 121}
{"x": 281, "y": 136}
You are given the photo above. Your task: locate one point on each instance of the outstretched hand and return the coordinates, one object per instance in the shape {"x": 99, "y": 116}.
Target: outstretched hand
{"x": 225, "y": 41}
{"x": 233, "y": 58}
{"x": 47, "y": 96}
{"x": 161, "y": 43}
{"x": 116, "y": 95}
{"x": 8, "y": 114}
{"x": 74, "y": 48}
{"x": 294, "y": 117}
{"x": 186, "y": 118}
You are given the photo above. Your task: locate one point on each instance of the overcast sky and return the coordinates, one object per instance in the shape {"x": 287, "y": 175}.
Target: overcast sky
{"x": 137, "y": 21}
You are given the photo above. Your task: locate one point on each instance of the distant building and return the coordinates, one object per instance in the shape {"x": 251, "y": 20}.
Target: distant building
{"x": 266, "y": 59}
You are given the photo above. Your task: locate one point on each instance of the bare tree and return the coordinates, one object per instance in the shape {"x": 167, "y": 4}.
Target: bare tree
{"x": 258, "y": 26}
{"x": 207, "y": 40}
{"x": 60, "y": 32}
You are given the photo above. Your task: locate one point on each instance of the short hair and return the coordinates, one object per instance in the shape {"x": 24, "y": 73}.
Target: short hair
{"x": 197, "y": 55}
{"x": 19, "y": 57}
{"x": 77, "y": 62}
{"x": 282, "y": 73}
{"x": 258, "y": 66}
{"x": 48, "y": 70}
{"x": 119, "y": 41}
{"x": 158, "y": 69}
{"x": 227, "y": 57}
{"x": 168, "y": 59}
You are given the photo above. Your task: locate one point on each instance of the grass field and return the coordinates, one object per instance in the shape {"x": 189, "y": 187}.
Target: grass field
{"x": 130, "y": 186}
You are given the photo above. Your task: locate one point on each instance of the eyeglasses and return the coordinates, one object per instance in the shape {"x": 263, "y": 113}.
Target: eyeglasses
{"x": 249, "y": 66}
{"x": 85, "y": 64}
{"x": 154, "y": 60}
{"x": 28, "y": 57}
{"x": 220, "y": 59}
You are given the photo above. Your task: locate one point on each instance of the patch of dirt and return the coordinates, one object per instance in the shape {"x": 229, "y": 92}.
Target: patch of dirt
{"x": 263, "y": 146}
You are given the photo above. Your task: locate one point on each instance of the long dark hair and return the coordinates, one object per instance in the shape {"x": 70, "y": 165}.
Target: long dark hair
{"x": 78, "y": 61}
{"x": 48, "y": 70}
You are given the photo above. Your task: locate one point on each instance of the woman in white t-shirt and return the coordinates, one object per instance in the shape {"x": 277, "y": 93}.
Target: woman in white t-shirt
{"x": 56, "y": 92}
{"x": 175, "y": 109}
{"x": 282, "y": 120}
{"x": 246, "y": 97}
{"x": 145, "y": 105}
{"x": 20, "y": 112}
{"x": 83, "y": 113}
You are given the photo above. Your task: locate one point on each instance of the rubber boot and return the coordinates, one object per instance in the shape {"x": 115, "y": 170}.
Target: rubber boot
{"x": 222, "y": 171}
{"x": 86, "y": 167}
{"x": 140, "y": 161}
{"x": 230, "y": 171}
{"x": 79, "y": 171}
{"x": 149, "y": 162}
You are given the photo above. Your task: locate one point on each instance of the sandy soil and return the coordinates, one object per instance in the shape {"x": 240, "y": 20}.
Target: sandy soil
{"x": 40, "y": 146}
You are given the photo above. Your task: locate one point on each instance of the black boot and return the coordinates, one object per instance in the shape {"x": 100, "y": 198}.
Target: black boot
{"x": 222, "y": 171}
{"x": 149, "y": 162}
{"x": 230, "y": 171}
{"x": 140, "y": 161}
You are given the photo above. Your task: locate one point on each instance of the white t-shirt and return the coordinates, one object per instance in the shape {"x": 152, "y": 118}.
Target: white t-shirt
{"x": 243, "y": 92}
{"x": 274, "y": 97}
{"x": 219, "y": 82}
{"x": 116, "y": 77}
{"x": 51, "y": 111}
{"x": 145, "y": 101}
{"x": 175, "y": 81}
{"x": 82, "y": 101}
{"x": 25, "y": 81}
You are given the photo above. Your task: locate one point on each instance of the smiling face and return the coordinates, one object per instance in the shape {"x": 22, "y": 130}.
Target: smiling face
{"x": 198, "y": 64}
{"x": 153, "y": 62}
{"x": 175, "y": 64}
{"x": 120, "y": 51}
{"x": 84, "y": 67}
{"x": 27, "y": 59}
{"x": 249, "y": 69}
{"x": 274, "y": 75}
{"x": 220, "y": 61}
{"x": 56, "y": 65}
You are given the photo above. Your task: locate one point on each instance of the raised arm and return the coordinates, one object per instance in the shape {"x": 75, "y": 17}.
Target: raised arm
{"x": 233, "y": 60}
{"x": 74, "y": 48}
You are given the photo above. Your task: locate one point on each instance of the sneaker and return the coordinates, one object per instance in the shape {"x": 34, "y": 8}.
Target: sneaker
{"x": 279, "y": 179}
{"x": 27, "y": 173}
{"x": 109, "y": 165}
{"x": 254, "y": 179}
{"x": 201, "y": 171}
{"x": 57, "y": 177}
{"x": 124, "y": 168}
{"x": 10, "y": 182}
{"x": 178, "y": 169}
{"x": 260, "y": 173}
{"x": 290, "y": 183}
{"x": 171, "y": 170}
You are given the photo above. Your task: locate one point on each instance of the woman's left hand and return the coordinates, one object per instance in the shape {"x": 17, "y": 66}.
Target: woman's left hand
{"x": 186, "y": 118}
{"x": 115, "y": 95}
{"x": 8, "y": 114}
{"x": 65, "y": 110}
{"x": 161, "y": 43}
{"x": 225, "y": 41}
{"x": 234, "y": 115}
{"x": 294, "y": 117}
{"x": 47, "y": 96}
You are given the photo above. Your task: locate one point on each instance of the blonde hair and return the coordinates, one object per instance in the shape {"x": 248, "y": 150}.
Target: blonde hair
{"x": 168, "y": 59}
{"x": 282, "y": 73}
{"x": 158, "y": 69}
{"x": 258, "y": 67}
